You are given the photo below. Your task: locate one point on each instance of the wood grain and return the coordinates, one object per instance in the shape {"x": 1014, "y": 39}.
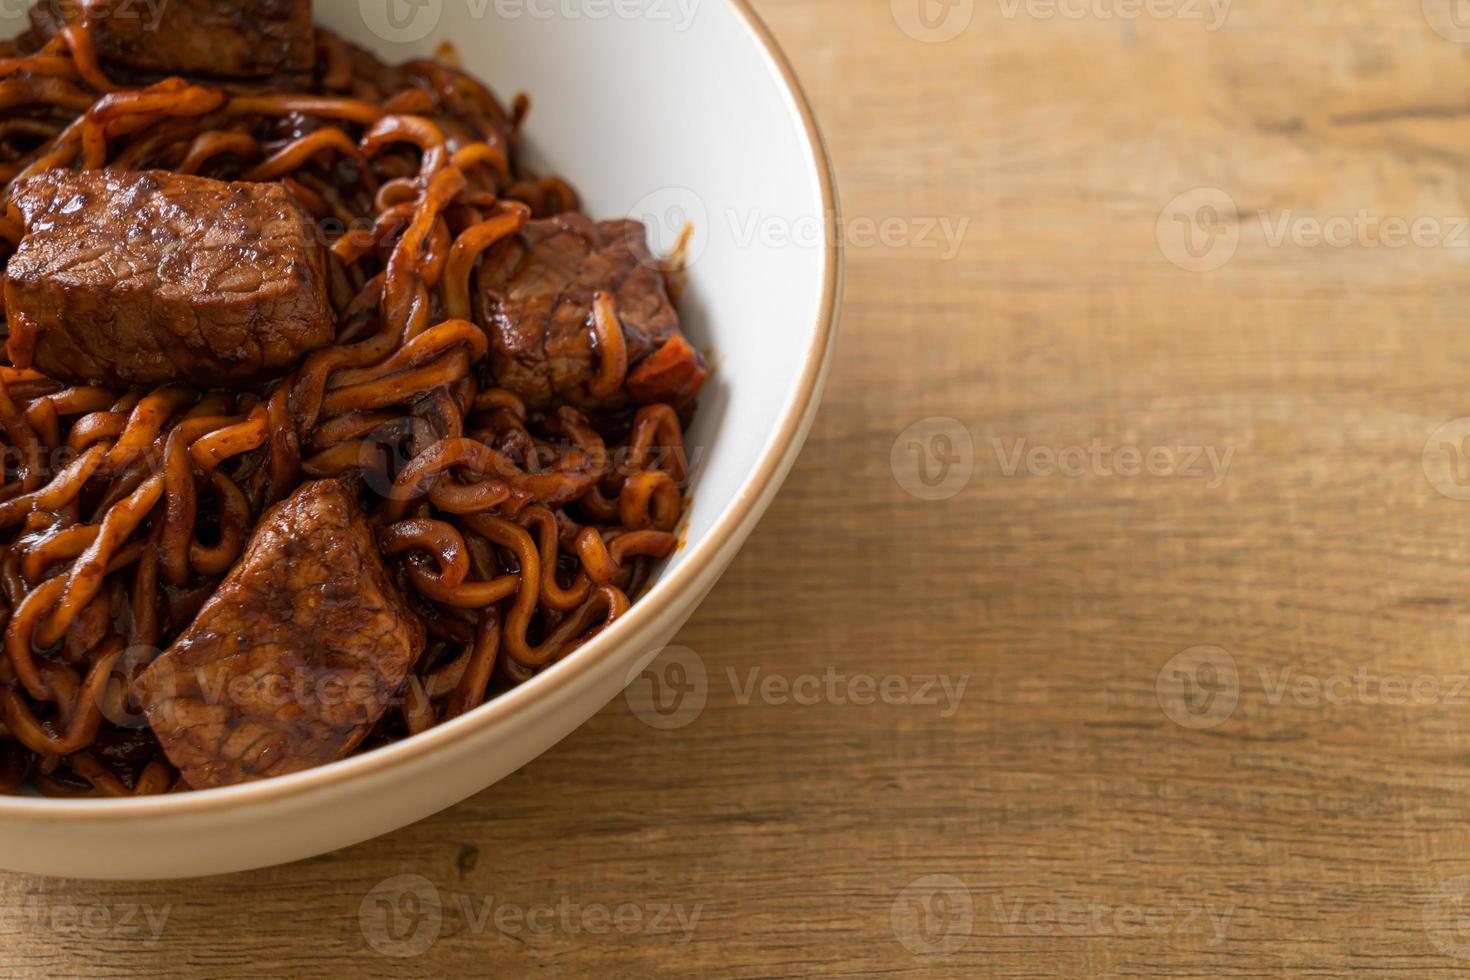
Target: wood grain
{"x": 1321, "y": 825}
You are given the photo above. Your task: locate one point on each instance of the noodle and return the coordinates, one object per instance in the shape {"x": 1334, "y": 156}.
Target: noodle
{"x": 518, "y": 536}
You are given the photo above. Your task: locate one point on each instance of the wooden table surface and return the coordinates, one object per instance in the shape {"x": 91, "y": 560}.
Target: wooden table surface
{"x": 1150, "y": 661}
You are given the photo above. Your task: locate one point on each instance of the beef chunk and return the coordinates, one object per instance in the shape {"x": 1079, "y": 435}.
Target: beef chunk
{"x": 537, "y": 290}
{"x": 225, "y": 38}
{"x": 144, "y": 278}
{"x": 295, "y": 657}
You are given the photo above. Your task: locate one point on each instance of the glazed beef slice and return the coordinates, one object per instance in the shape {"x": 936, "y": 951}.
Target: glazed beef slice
{"x": 537, "y": 290}
{"x": 295, "y": 657}
{"x": 239, "y": 39}
{"x": 128, "y": 278}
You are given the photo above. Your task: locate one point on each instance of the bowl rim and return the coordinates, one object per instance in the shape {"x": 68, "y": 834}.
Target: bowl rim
{"x": 729, "y": 528}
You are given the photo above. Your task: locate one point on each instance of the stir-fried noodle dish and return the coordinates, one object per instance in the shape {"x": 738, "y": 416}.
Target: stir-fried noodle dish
{"x": 325, "y": 418}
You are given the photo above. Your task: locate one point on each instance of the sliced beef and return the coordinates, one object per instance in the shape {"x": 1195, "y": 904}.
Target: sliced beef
{"x": 295, "y": 657}
{"x": 537, "y": 289}
{"x": 235, "y": 39}
{"x": 143, "y": 278}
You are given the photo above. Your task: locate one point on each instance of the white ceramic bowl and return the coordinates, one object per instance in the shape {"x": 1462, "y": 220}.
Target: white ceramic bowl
{"x": 684, "y": 110}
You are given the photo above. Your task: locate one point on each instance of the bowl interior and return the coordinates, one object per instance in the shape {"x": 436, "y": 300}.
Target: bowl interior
{"x": 667, "y": 111}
